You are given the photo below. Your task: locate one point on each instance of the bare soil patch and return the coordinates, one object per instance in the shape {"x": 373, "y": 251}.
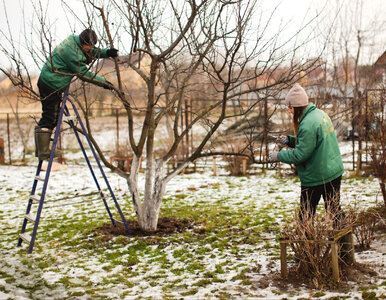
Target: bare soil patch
{"x": 166, "y": 226}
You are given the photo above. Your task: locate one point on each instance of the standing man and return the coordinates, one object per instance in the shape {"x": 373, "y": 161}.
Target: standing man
{"x": 69, "y": 59}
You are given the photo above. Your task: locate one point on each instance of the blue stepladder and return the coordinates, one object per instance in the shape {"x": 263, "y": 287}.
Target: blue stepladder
{"x": 40, "y": 199}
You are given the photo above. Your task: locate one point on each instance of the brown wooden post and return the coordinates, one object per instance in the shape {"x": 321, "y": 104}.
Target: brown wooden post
{"x": 283, "y": 260}
{"x": 214, "y": 166}
{"x": 245, "y": 165}
{"x": 9, "y": 141}
{"x": 334, "y": 261}
{"x": 352, "y": 133}
{"x": 266, "y": 120}
{"x": 2, "y": 151}
{"x": 187, "y": 137}
{"x": 117, "y": 123}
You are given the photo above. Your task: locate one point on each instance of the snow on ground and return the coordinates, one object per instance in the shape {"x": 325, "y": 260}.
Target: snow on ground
{"x": 70, "y": 262}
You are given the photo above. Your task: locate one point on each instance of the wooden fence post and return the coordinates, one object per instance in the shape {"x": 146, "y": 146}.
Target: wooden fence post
{"x": 283, "y": 260}
{"x": 9, "y": 141}
{"x": 214, "y": 166}
{"x": 245, "y": 165}
{"x": 2, "y": 152}
{"x": 334, "y": 261}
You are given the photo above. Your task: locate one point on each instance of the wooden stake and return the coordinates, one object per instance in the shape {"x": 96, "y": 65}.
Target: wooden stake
{"x": 9, "y": 141}
{"x": 283, "y": 260}
{"x": 2, "y": 151}
{"x": 334, "y": 262}
{"x": 244, "y": 165}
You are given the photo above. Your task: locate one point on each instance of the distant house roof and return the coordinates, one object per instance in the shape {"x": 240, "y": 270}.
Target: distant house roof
{"x": 381, "y": 61}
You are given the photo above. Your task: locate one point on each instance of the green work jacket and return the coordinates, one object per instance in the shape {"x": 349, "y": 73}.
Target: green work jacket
{"x": 316, "y": 152}
{"x": 68, "y": 60}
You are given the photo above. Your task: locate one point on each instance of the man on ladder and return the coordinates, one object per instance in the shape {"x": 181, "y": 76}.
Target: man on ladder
{"x": 69, "y": 59}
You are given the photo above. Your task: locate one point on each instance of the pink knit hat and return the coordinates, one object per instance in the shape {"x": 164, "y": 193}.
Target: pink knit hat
{"x": 296, "y": 96}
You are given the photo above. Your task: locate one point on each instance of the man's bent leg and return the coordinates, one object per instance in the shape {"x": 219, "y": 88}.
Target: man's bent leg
{"x": 50, "y": 100}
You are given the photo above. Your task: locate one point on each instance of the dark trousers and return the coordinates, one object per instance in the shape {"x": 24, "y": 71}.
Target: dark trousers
{"x": 51, "y": 100}
{"x": 310, "y": 196}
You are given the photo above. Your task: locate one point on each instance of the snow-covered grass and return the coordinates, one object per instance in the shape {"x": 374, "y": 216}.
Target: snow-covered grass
{"x": 230, "y": 253}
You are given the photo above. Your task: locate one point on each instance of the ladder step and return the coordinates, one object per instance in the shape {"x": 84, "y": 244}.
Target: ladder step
{"x": 25, "y": 237}
{"x": 39, "y": 178}
{"x": 30, "y": 217}
{"x": 118, "y": 221}
{"x": 35, "y": 198}
{"x": 69, "y": 118}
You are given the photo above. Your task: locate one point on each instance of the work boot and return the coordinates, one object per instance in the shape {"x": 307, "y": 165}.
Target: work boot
{"x": 42, "y": 143}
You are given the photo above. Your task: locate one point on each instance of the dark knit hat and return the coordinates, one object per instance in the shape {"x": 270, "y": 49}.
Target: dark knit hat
{"x": 88, "y": 37}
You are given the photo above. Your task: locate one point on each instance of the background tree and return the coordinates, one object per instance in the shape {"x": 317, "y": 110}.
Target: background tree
{"x": 353, "y": 48}
{"x": 228, "y": 45}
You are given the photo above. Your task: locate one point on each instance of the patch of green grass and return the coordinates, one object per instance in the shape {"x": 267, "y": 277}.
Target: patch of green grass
{"x": 190, "y": 292}
{"x": 76, "y": 293}
{"x": 202, "y": 282}
{"x": 179, "y": 253}
{"x": 180, "y": 196}
{"x": 178, "y": 271}
{"x": 367, "y": 295}
{"x": 194, "y": 267}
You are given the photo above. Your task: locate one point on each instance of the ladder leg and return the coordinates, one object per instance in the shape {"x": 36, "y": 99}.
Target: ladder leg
{"x": 100, "y": 168}
{"x": 48, "y": 172}
{"x": 29, "y": 205}
{"x": 92, "y": 172}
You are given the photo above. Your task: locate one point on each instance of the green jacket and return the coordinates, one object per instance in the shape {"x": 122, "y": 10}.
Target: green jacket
{"x": 316, "y": 152}
{"x": 68, "y": 60}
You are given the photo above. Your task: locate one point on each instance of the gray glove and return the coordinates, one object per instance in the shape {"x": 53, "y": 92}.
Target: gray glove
{"x": 282, "y": 140}
{"x": 273, "y": 156}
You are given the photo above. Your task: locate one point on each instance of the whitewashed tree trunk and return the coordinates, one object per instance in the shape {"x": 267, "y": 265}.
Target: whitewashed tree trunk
{"x": 148, "y": 208}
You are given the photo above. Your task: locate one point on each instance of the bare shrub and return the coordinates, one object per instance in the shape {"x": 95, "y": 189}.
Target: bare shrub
{"x": 365, "y": 223}
{"x": 313, "y": 256}
{"x": 310, "y": 238}
{"x": 235, "y": 159}
{"x": 378, "y": 147}
{"x": 235, "y": 165}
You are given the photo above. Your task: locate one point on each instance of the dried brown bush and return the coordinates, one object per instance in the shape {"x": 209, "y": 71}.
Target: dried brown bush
{"x": 365, "y": 224}
{"x": 313, "y": 256}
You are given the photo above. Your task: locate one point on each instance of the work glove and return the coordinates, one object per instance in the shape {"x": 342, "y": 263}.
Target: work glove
{"x": 273, "y": 156}
{"x": 282, "y": 140}
{"x": 112, "y": 52}
{"x": 108, "y": 85}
